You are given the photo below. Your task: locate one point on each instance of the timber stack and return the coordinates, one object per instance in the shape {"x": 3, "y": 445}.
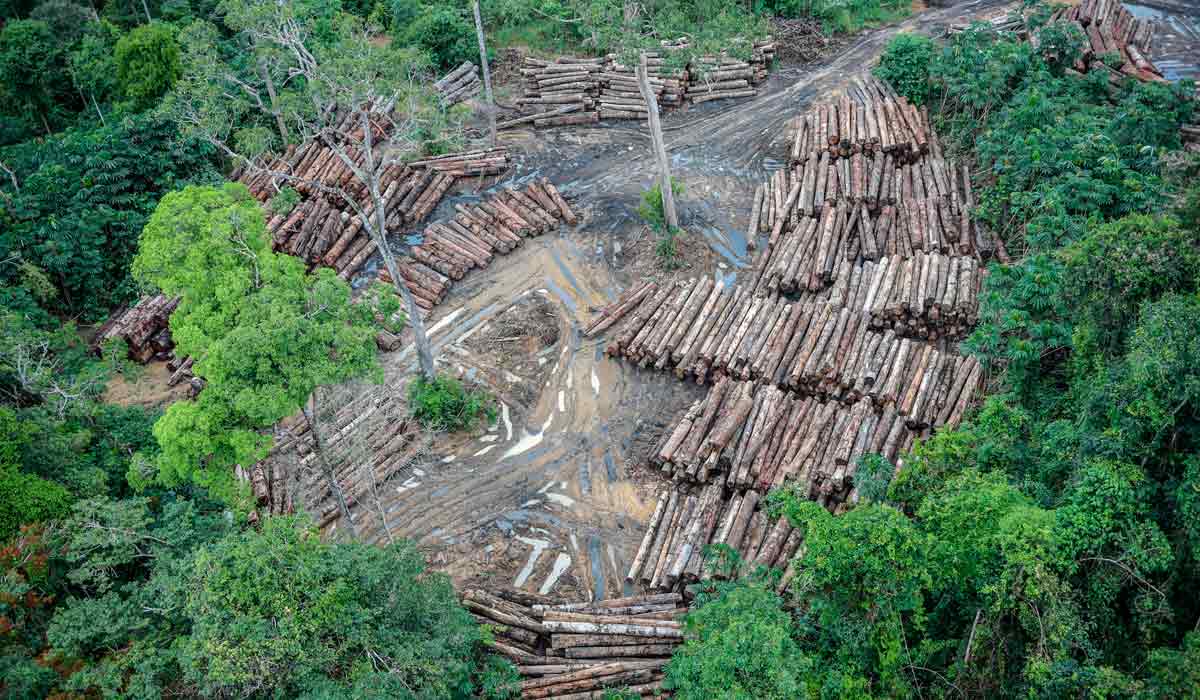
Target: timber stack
{"x": 838, "y": 347}
{"x": 368, "y": 442}
{"x": 143, "y": 328}
{"x": 620, "y": 96}
{"x": 1108, "y": 28}
{"x": 1111, "y": 29}
{"x": 869, "y": 118}
{"x": 323, "y": 229}
{"x": 723, "y": 76}
{"x": 673, "y": 551}
{"x": 748, "y": 435}
{"x": 558, "y": 92}
{"x": 570, "y": 90}
{"x": 459, "y": 85}
{"x": 475, "y": 235}
{"x": 582, "y": 650}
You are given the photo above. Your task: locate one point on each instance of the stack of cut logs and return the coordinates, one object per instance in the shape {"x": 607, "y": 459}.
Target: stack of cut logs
{"x": 620, "y": 97}
{"x": 325, "y": 230}
{"x": 143, "y": 328}
{"x": 458, "y": 85}
{"x": 570, "y": 90}
{"x": 887, "y": 266}
{"x": 672, "y": 553}
{"x": 581, "y": 650}
{"x": 871, "y": 117}
{"x": 1110, "y": 28}
{"x": 759, "y": 436}
{"x": 558, "y": 92}
{"x": 834, "y": 348}
{"x": 476, "y": 234}
{"x": 368, "y": 441}
{"x": 721, "y": 77}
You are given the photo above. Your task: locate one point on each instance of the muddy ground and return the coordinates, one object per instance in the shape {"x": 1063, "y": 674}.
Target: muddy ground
{"x": 551, "y": 496}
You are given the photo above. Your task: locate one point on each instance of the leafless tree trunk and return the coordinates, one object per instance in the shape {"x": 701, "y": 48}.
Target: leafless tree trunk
{"x": 660, "y": 151}
{"x": 275, "y": 111}
{"x": 146, "y": 9}
{"x": 487, "y": 74}
{"x": 378, "y": 231}
{"x": 310, "y": 415}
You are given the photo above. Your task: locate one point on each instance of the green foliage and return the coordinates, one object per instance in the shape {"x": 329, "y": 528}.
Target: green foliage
{"x": 267, "y": 334}
{"x": 1116, "y": 267}
{"x": 25, "y": 498}
{"x": 651, "y": 207}
{"x": 905, "y": 65}
{"x": 282, "y": 610}
{"x": 147, "y": 61}
{"x": 284, "y": 201}
{"x": 67, "y": 20}
{"x": 872, "y": 478}
{"x": 444, "y": 32}
{"x": 1059, "y": 44}
{"x": 841, "y": 16}
{"x": 33, "y": 77}
{"x": 444, "y": 404}
{"x": 84, "y": 198}
{"x": 741, "y": 644}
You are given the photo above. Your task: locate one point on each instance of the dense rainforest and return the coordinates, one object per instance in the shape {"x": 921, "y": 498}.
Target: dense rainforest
{"x": 1048, "y": 547}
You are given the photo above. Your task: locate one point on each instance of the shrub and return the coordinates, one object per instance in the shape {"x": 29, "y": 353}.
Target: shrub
{"x": 905, "y": 66}
{"x": 446, "y": 34}
{"x": 445, "y": 404}
{"x": 25, "y": 498}
{"x": 651, "y": 208}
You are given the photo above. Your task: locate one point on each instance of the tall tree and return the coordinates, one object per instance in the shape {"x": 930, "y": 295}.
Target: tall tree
{"x": 366, "y": 102}
{"x": 263, "y": 333}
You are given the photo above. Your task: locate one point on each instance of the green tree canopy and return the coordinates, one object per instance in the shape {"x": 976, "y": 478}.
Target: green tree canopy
{"x": 280, "y": 611}
{"x": 264, "y": 334}
{"x": 147, "y": 61}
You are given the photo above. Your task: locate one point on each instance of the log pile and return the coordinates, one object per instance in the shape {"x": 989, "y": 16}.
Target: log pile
{"x": 558, "y": 92}
{"x": 581, "y": 650}
{"x": 1111, "y": 29}
{"x": 924, "y": 296}
{"x": 368, "y": 441}
{"x": 684, "y": 525}
{"x": 570, "y": 90}
{"x": 749, "y": 435}
{"x": 458, "y": 85}
{"x": 143, "y": 328}
{"x": 831, "y": 347}
{"x": 475, "y": 235}
{"x": 323, "y": 229}
{"x": 620, "y": 97}
{"x": 869, "y": 118}
{"x": 1108, "y": 28}
{"x": 722, "y": 77}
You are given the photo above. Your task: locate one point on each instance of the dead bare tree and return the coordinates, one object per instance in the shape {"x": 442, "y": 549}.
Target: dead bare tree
{"x": 367, "y": 103}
